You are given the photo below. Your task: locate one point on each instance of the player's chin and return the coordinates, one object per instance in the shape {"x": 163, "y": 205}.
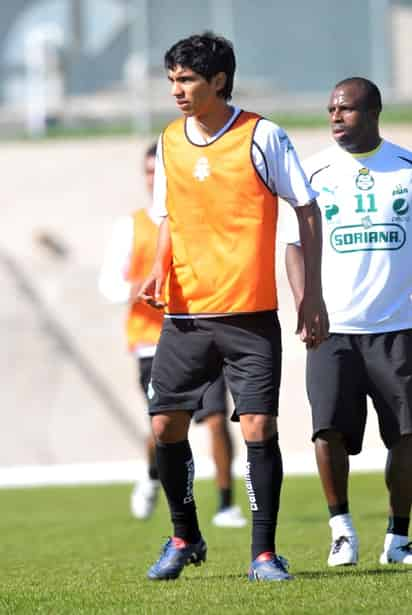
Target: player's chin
{"x": 342, "y": 138}
{"x": 185, "y": 109}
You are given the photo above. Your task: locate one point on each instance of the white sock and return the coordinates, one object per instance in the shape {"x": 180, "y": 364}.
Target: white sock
{"x": 341, "y": 525}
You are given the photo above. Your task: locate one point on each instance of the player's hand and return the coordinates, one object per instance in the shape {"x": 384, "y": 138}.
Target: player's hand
{"x": 150, "y": 290}
{"x": 313, "y": 321}
{"x": 134, "y": 292}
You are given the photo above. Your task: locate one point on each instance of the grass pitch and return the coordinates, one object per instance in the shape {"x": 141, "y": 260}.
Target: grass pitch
{"x": 77, "y": 551}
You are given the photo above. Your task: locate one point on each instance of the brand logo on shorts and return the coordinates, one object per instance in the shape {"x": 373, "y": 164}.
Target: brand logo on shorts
{"x": 202, "y": 169}
{"x": 364, "y": 180}
{"x": 150, "y": 391}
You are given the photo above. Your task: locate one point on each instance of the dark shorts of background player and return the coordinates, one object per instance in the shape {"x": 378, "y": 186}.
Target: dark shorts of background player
{"x": 345, "y": 369}
{"x": 193, "y": 351}
{"x": 214, "y": 400}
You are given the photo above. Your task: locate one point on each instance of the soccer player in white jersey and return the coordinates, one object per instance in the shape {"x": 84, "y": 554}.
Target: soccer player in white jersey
{"x": 365, "y": 196}
{"x": 219, "y": 171}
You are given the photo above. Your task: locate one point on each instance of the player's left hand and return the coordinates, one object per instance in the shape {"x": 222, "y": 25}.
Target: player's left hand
{"x": 313, "y": 321}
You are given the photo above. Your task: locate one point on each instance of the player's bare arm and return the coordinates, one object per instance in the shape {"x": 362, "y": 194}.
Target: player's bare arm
{"x": 313, "y": 321}
{"x": 295, "y": 270}
{"x": 152, "y": 287}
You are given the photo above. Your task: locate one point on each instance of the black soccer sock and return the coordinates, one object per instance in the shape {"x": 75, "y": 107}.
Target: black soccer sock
{"x": 339, "y": 509}
{"x": 264, "y": 474}
{"x": 153, "y": 471}
{"x": 225, "y": 498}
{"x": 176, "y": 473}
{"x": 398, "y": 525}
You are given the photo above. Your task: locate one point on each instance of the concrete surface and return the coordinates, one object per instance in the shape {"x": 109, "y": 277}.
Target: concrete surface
{"x": 68, "y": 394}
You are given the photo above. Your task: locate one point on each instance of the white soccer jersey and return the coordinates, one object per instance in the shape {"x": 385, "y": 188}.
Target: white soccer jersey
{"x": 366, "y": 203}
{"x": 273, "y": 155}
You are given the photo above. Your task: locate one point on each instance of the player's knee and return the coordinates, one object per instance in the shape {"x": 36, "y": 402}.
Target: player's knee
{"x": 170, "y": 428}
{"x": 328, "y": 436}
{"x": 258, "y": 427}
{"x": 216, "y": 422}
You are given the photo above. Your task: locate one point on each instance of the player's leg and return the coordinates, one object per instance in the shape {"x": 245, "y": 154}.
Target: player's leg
{"x": 252, "y": 350}
{"x": 214, "y": 414}
{"x": 389, "y": 364}
{"x": 145, "y": 492}
{"x": 179, "y": 378}
{"x": 398, "y": 478}
{"x": 334, "y": 375}
{"x": 176, "y": 471}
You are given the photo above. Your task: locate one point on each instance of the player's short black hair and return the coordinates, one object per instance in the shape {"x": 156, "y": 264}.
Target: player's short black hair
{"x": 373, "y": 98}
{"x": 151, "y": 151}
{"x": 207, "y": 55}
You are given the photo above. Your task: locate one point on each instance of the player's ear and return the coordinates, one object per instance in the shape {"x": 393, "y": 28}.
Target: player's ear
{"x": 220, "y": 81}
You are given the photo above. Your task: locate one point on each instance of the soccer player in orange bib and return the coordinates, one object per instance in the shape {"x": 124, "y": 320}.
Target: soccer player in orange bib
{"x": 219, "y": 172}
{"x": 127, "y": 262}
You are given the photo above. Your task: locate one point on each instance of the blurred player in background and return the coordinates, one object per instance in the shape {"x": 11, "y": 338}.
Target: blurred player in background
{"x": 127, "y": 262}
{"x": 365, "y": 196}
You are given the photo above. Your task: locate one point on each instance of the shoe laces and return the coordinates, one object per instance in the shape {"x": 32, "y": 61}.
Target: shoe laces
{"x": 337, "y": 544}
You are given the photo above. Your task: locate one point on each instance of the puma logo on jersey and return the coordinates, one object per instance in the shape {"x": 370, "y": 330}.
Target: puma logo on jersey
{"x": 330, "y": 211}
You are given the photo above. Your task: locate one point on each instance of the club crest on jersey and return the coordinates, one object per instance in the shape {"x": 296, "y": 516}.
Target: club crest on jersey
{"x": 202, "y": 169}
{"x": 364, "y": 180}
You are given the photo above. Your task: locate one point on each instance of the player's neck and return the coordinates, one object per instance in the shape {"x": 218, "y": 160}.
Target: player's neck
{"x": 211, "y": 122}
{"x": 366, "y": 146}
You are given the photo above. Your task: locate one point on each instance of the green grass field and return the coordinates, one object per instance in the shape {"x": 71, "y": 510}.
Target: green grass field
{"x": 76, "y": 551}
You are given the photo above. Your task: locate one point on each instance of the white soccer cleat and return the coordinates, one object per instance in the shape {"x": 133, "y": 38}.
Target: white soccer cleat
{"x": 144, "y": 498}
{"x": 396, "y": 550}
{"x": 229, "y": 517}
{"x": 344, "y": 551}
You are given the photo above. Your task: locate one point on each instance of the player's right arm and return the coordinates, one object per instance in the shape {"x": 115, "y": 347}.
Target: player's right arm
{"x": 295, "y": 270}
{"x": 152, "y": 287}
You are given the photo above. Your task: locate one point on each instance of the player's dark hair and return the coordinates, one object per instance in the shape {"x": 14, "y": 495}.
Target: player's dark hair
{"x": 151, "y": 151}
{"x": 373, "y": 98}
{"x": 207, "y": 55}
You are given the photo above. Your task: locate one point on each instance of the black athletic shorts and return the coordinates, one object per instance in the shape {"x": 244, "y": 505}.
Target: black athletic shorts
{"x": 214, "y": 400}
{"x": 193, "y": 351}
{"x": 144, "y": 370}
{"x": 345, "y": 369}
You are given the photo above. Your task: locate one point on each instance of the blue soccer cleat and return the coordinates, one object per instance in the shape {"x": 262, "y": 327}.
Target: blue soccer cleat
{"x": 176, "y": 554}
{"x": 269, "y": 567}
